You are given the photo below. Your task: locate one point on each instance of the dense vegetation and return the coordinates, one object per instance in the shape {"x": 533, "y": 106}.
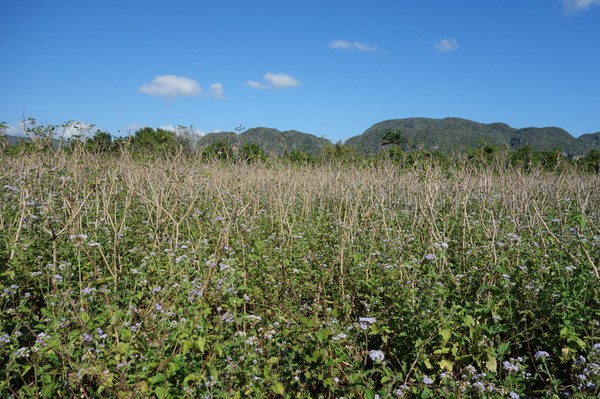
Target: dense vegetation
{"x": 152, "y": 268}
{"x": 448, "y": 137}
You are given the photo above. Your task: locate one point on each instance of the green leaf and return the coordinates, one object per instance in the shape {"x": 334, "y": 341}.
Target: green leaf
{"x": 160, "y": 392}
{"x": 200, "y": 344}
{"x": 273, "y": 360}
{"x": 427, "y": 363}
{"x": 157, "y": 379}
{"x": 446, "y": 364}
{"x": 48, "y": 390}
{"x": 446, "y": 334}
{"x": 278, "y": 388}
{"x": 185, "y": 346}
{"x": 491, "y": 364}
{"x": 468, "y": 321}
{"x": 190, "y": 377}
{"x": 503, "y": 349}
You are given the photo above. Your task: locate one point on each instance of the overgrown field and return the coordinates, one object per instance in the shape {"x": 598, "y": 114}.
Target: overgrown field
{"x": 125, "y": 279}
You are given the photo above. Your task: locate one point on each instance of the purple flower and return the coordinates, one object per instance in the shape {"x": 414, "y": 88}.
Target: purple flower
{"x": 430, "y": 256}
{"x": 377, "y": 356}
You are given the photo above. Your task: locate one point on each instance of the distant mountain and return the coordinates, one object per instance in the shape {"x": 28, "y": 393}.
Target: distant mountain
{"x": 272, "y": 141}
{"x": 14, "y": 140}
{"x": 455, "y": 135}
{"x": 592, "y": 139}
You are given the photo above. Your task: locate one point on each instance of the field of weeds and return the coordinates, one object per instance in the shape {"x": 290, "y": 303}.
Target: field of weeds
{"x": 168, "y": 279}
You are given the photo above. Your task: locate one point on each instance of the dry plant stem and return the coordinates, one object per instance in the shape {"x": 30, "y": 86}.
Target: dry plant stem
{"x": 23, "y": 207}
{"x": 594, "y": 267}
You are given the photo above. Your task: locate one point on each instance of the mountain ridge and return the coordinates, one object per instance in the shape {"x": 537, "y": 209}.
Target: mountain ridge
{"x": 445, "y": 135}
{"x": 452, "y": 135}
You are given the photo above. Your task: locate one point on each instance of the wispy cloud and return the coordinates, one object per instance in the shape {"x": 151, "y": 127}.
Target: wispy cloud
{"x": 579, "y": 5}
{"x": 446, "y": 45}
{"x": 171, "y": 86}
{"x": 347, "y": 45}
{"x": 257, "y": 85}
{"x": 216, "y": 91}
{"x": 274, "y": 81}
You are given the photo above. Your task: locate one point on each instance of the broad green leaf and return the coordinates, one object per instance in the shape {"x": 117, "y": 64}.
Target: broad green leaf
{"x": 468, "y": 321}
{"x": 446, "y": 334}
{"x": 491, "y": 364}
{"x": 278, "y": 388}
{"x": 161, "y": 393}
{"x": 201, "y": 343}
{"x": 446, "y": 364}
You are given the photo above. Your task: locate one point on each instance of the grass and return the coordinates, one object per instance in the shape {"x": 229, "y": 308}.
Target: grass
{"x": 176, "y": 278}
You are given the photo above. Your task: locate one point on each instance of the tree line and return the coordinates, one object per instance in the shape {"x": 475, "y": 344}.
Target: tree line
{"x": 150, "y": 143}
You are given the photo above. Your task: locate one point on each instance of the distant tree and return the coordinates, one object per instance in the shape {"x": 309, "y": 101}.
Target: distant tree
{"x": 394, "y": 154}
{"x": 250, "y": 152}
{"x": 339, "y": 152}
{"x": 394, "y": 138}
{"x": 552, "y": 159}
{"x": 485, "y": 154}
{"x": 298, "y": 157}
{"x": 220, "y": 149}
{"x": 591, "y": 161}
{"x": 188, "y": 138}
{"x": 148, "y": 141}
{"x": 524, "y": 157}
{"x": 100, "y": 143}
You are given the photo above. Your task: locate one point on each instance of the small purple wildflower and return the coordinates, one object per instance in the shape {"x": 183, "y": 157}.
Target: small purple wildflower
{"x": 541, "y": 355}
{"x": 377, "y": 356}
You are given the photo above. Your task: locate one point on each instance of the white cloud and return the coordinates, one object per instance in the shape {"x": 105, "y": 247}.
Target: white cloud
{"x": 275, "y": 81}
{"x": 257, "y": 85}
{"x": 216, "y": 90}
{"x": 578, "y": 5}
{"x": 340, "y": 44}
{"x": 446, "y": 45}
{"x": 346, "y": 45}
{"x": 281, "y": 80}
{"x": 171, "y": 86}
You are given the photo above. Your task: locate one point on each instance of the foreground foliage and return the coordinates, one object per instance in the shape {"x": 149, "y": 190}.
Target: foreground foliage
{"x": 174, "y": 278}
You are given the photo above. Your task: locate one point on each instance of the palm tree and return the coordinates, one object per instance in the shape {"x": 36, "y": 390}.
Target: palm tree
{"x": 393, "y": 137}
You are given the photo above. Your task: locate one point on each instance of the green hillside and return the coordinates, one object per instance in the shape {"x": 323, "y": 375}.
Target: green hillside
{"x": 455, "y": 135}
{"x": 272, "y": 141}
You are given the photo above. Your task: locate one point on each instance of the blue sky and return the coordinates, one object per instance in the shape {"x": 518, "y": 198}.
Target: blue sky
{"x": 330, "y": 68}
